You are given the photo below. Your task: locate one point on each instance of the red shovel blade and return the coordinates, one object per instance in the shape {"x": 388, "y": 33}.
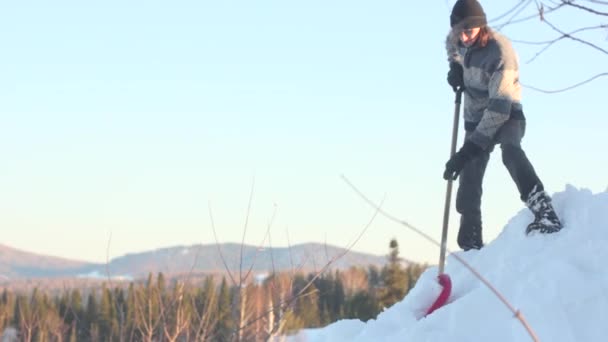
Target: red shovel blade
{"x": 446, "y": 282}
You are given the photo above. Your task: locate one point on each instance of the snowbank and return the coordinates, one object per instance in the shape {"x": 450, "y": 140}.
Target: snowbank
{"x": 559, "y": 282}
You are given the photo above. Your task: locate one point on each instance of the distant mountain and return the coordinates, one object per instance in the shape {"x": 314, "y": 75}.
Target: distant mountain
{"x": 179, "y": 260}
{"x": 206, "y": 258}
{"x": 16, "y": 263}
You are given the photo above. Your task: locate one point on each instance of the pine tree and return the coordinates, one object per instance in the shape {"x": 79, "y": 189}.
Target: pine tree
{"x": 205, "y": 310}
{"x": 132, "y": 333}
{"x": 363, "y": 306}
{"x": 225, "y": 321}
{"x": 52, "y": 325}
{"x": 374, "y": 278}
{"x": 148, "y": 310}
{"x": 120, "y": 307}
{"x": 339, "y": 298}
{"x": 24, "y": 318}
{"x": 108, "y": 323}
{"x": 7, "y": 309}
{"x": 71, "y": 309}
{"x": 307, "y": 303}
{"x": 91, "y": 318}
{"x": 161, "y": 284}
{"x": 177, "y": 313}
{"x": 394, "y": 278}
{"x": 325, "y": 299}
{"x": 41, "y": 315}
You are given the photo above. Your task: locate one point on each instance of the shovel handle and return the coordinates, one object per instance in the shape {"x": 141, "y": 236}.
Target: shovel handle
{"x": 448, "y": 195}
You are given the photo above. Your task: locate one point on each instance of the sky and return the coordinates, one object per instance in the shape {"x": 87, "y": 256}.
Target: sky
{"x": 130, "y": 126}
{"x": 560, "y": 287}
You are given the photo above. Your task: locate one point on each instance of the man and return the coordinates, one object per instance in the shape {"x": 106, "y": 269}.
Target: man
{"x": 484, "y": 65}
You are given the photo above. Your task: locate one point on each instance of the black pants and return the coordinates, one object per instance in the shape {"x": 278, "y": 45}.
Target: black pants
{"x": 468, "y": 198}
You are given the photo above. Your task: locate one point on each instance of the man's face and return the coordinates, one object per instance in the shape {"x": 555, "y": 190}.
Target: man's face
{"x": 469, "y": 36}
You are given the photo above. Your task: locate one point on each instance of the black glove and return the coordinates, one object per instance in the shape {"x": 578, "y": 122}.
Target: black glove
{"x": 467, "y": 152}
{"x": 455, "y": 76}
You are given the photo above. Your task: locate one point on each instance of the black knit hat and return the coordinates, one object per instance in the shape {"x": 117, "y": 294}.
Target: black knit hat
{"x": 468, "y": 14}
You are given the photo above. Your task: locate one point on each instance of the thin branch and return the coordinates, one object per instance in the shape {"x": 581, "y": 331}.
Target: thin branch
{"x": 121, "y": 314}
{"x": 108, "y": 260}
{"x": 302, "y": 293}
{"x": 516, "y": 313}
{"x": 204, "y": 317}
{"x": 255, "y": 256}
{"x": 245, "y": 232}
{"x": 567, "y": 88}
{"x": 545, "y": 48}
{"x": 270, "y": 246}
{"x": 290, "y": 254}
{"x": 533, "y": 16}
{"x": 520, "y": 3}
{"x": 598, "y": 2}
{"x": 219, "y": 249}
{"x": 196, "y": 256}
{"x": 517, "y": 13}
{"x": 575, "y": 38}
{"x": 344, "y": 252}
{"x": 587, "y": 9}
{"x": 550, "y": 43}
{"x": 325, "y": 248}
{"x": 588, "y": 28}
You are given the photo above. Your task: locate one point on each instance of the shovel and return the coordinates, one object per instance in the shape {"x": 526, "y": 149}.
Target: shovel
{"x": 444, "y": 279}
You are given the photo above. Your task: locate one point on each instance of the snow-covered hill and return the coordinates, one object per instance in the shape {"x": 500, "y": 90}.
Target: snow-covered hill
{"x": 559, "y": 282}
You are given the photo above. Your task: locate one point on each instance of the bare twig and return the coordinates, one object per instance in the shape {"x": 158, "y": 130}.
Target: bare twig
{"x": 588, "y": 28}
{"x": 245, "y": 232}
{"x": 567, "y": 88}
{"x": 542, "y": 11}
{"x": 582, "y": 41}
{"x": 513, "y": 9}
{"x": 255, "y": 256}
{"x": 219, "y": 249}
{"x": 303, "y": 291}
{"x": 108, "y": 259}
{"x": 205, "y": 320}
{"x": 598, "y": 2}
{"x": 545, "y": 11}
{"x": 584, "y": 8}
{"x": 516, "y": 313}
{"x": 289, "y": 250}
{"x": 515, "y": 15}
{"x": 270, "y": 249}
{"x": 121, "y": 313}
{"x": 344, "y": 252}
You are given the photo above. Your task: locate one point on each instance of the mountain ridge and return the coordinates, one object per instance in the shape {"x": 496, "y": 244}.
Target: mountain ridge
{"x": 180, "y": 259}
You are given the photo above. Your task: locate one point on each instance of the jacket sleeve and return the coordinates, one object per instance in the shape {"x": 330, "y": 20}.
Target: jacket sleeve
{"x": 451, "y": 47}
{"x": 503, "y": 91}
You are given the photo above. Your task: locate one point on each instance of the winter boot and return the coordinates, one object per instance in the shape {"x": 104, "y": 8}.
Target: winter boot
{"x": 545, "y": 218}
{"x": 469, "y": 235}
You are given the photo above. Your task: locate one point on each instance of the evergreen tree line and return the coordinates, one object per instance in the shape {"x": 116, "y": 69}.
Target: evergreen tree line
{"x": 161, "y": 310}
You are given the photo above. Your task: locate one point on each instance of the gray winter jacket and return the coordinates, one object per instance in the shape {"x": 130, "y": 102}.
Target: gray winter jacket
{"x": 492, "y": 91}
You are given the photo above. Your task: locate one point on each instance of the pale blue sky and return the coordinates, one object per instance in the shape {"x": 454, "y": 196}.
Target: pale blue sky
{"x": 128, "y": 118}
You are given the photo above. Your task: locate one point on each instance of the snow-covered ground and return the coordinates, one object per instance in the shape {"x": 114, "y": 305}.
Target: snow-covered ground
{"x": 559, "y": 283}
{"x": 99, "y": 275}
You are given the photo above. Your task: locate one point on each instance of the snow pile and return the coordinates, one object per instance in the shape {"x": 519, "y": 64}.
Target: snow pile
{"x": 559, "y": 282}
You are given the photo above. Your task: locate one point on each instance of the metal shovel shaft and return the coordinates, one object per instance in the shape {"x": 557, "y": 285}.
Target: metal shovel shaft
{"x": 448, "y": 196}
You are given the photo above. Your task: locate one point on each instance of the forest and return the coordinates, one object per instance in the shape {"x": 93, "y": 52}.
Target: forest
{"x": 216, "y": 309}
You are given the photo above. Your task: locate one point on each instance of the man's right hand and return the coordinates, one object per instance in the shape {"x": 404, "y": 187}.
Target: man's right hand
{"x": 455, "y": 76}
